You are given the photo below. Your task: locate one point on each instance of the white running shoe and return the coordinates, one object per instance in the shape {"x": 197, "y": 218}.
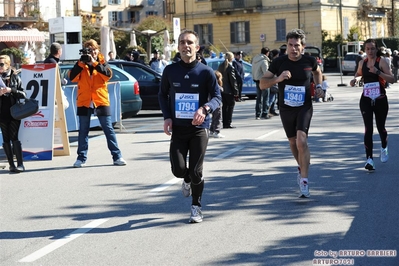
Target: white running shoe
{"x": 79, "y": 164}
{"x": 218, "y": 135}
{"x": 120, "y": 162}
{"x": 196, "y": 214}
{"x": 304, "y": 189}
{"x": 186, "y": 189}
{"x": 369, "y": 165}
{"x": 384, "y": 155}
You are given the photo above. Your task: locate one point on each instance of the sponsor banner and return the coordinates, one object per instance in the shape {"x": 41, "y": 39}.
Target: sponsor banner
{"x": 36, "y": 133}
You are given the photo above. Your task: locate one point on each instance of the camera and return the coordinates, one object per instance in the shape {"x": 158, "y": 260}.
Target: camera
{"x": 84, "y": 52}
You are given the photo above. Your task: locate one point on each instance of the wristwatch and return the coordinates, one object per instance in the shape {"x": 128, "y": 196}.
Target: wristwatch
{"x": 207, "y": 109}
{"x": 378, "y": 72}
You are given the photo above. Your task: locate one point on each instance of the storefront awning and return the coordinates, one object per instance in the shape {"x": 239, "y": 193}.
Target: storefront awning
{"x": 21, "y": 36}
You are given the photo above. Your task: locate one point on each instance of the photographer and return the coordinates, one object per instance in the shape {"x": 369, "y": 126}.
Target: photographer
{"x": 92, "y": 73}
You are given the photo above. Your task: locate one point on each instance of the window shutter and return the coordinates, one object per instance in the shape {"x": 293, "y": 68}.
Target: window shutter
{"x": 247, "y": 35}
{"x": 210, "y": 31}
{"x": 232, "y": 29}
{"x": 137, "y": 16}
{"x": 110, "y": 18}
{"x": 120, "y": 18}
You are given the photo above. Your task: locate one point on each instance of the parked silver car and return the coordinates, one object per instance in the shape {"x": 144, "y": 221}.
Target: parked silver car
{"x": 349, "y": 63}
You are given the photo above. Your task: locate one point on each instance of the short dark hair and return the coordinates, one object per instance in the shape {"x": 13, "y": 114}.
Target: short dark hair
{"x": 55, "y": 47}
{"x": 296, "y": 34}
{"x": 264, "y": 50}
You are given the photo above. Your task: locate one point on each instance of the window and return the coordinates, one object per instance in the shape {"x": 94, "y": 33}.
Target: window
{"x": 239, "y": 32}
{"x": 151, "y": 13}
{"x": 133, "y": 17}
{"x": 114, "y": 2}
{"x": 151, "y": 2}
{"x": 205, "y": 33}
{"x": 280, "y": 30}
{"x": 115, "y": 18}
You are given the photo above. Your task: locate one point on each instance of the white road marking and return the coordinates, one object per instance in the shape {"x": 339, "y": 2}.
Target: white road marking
{"x": 268, "y": 134}
{"x": 60, "y": 242}
{"x": 164, "y": 186}
{"x": 229, "y": 152}
{"x": 220, "y": 156}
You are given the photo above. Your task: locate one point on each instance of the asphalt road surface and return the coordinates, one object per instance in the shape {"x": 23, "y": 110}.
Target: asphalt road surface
{"x": 54, "y": 214}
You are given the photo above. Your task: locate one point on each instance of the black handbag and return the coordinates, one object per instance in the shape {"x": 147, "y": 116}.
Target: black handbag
{"x": 23, "y": 109}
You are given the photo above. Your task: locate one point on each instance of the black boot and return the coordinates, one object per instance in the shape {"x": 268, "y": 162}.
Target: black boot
{"x": 10, "y": 157}
{"x": 18, "y": 153}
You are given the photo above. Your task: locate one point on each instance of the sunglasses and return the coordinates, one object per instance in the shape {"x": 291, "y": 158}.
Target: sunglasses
{"x": 1, "y": 64}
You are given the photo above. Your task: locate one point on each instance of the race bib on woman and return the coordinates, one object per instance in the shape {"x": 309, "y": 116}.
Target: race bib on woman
{"x": 372, "y": 90}
{"x": 294, "y": 95}
{"x": 186, "y": 104}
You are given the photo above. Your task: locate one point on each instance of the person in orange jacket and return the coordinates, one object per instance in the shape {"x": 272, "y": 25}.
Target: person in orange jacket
{"x": 92, "y": 73}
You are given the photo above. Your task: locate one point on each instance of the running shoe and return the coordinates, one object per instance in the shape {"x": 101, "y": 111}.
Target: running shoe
{"x": 384, "y": 155}
{"x": 369, "y": 165}
{"x": 196, "y": 214}
{"x": 304, "y": 189}
{"x": 218, "y": 135}
{"x": 120, "y": 162}
{"x": 186, "y": 189}
{"x": 79, "y": 164}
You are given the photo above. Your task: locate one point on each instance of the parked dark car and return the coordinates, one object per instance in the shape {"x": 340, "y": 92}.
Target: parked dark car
{"x": 149, "y": 81}
{"x": 249, "y": 86}
{"x": 315, "y": 52}
{"x": 130, "y": 90}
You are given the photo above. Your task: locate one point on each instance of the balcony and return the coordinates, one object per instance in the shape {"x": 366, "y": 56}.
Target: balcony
{"x": 20, "y": 21}
{"x": 220, "y": 6}
{"x": 122, "y": 24}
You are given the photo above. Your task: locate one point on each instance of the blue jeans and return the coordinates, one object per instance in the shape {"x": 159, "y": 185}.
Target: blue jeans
{"x": 83, "y": 138}
{"x": 262, "y": 101}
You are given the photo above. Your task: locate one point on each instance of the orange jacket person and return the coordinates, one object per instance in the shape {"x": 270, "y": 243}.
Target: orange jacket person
{"x": 91, "y": 73}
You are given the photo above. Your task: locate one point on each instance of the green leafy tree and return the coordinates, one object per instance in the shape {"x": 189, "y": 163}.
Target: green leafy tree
{"x": 154, "y": 23}
{"x": 15, "y": 54}
{"x": 90, "y": 32}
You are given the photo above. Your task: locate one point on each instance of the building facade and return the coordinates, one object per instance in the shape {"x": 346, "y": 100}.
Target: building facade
{"x": 249, "y": 25}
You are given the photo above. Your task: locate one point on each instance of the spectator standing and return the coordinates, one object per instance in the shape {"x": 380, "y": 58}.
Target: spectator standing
{"x": 55, "y": 53}
{"x": 10, "y": 91}
{"x": 375, "y": 72}
{"x": 240, "y": 73}
{"x": 187, "y": 119}
{"x": 293, "y": 73}
{"x": 217, "y": 113}
{"x": 156, "y": 63}
{"x": 128, "y": 56}
{"x": 230, "y": 91}
{"x": 92, "y": 78}
{"x": 111, "y": 56}
{"x": 54, "y": 58}
{"x": 324, "y": 86}
{"x": 273, "y": 96}
{"x": 136, "y": 57}
{"x": 260, "y": 64}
